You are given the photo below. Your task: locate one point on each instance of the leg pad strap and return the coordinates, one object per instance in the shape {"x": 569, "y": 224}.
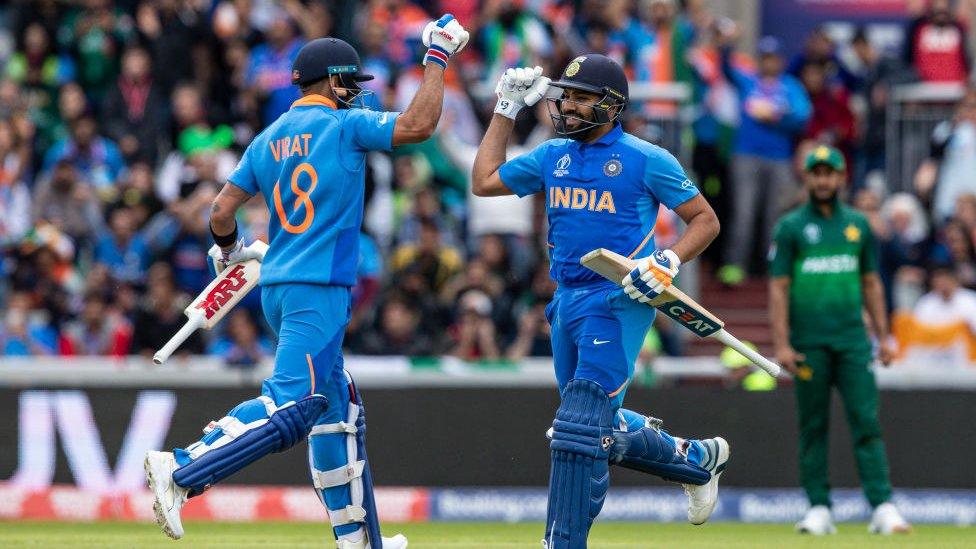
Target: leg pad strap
{"x": 338, "y": 476}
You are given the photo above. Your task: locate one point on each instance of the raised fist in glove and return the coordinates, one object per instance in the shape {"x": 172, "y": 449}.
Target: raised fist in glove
{"x": 238, "y": 254}
{"x": 444, "y": 37}
{"x": 651, "y": 276}
{"x": 517, "y": 88}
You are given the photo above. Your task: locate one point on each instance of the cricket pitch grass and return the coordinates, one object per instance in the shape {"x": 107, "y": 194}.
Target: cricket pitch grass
{"x": 469, "y": 535}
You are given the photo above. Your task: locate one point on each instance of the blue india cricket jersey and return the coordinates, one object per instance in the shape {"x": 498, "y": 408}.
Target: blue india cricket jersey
{"x": 604, "y": 194}
{"x": 310, "y": 166}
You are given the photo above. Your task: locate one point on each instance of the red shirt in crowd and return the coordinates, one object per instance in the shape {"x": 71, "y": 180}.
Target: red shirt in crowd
{"x": 938, "y": 52}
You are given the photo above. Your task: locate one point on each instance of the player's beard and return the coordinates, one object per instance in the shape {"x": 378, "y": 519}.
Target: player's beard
{"x": 584, "y": 135}
{"x": 830, "y": 199}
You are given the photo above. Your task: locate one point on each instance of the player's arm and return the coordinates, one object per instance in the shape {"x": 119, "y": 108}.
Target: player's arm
{"x": 703, "y": 227}
{"x": 652, "y": 275}
{"x": 223, "y": 214}
{"x": 781, "y": 256}
{"x": 779, "y": 320}
{"x": 874, "y": 301}
{"x": 419, "y": 121}
{"x": 666, "y": 181}
{"x": 517, "y": 88}
{"x": 485, "y": 180}
{"x": 779, "y": 309}
{"x": 228, "y": 247}
{"x": 445, "y": 37}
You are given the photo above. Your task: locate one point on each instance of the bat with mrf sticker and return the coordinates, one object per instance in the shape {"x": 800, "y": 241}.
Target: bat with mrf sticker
{"x": 215, "y": 301}
{"x": 674, "y": 303}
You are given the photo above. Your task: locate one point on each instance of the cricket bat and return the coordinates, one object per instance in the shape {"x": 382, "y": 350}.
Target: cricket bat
{"x": 214, "y": 302}
{"x": 674, "y": 303}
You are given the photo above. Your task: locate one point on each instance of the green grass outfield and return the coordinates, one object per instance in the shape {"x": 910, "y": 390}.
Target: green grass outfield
{"x": 468, "y": 535}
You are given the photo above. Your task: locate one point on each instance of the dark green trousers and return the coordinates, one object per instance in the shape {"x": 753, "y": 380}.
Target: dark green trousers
{"x": 844, "y": 367}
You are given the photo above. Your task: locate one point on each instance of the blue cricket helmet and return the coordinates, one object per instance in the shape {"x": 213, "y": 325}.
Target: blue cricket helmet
{"x": 324, "y": 57}
{"x": 597, "y": 74}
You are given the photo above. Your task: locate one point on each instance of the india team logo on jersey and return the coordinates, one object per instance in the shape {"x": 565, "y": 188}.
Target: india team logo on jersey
{"x": 612, "y": 168}
{"x": 562, "y": 166}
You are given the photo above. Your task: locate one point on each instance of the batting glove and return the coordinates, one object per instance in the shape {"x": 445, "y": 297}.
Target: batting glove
{"x": 444, "y": 37}
{"x": 238, "y": 254}
{"x": 652, "y": 276}
{"x": 517, "y": 88}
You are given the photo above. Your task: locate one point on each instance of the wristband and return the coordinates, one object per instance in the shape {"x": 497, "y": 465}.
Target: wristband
{"x": 226, "y": 240}
{"x": 438, "y": 55}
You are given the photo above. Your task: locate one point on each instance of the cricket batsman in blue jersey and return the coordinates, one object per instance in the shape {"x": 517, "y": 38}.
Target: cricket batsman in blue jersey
{"x": 309, "y": 165}
{"x": 603, "y": 188}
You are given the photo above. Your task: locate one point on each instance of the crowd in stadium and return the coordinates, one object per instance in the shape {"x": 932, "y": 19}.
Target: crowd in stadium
{"x": 119, "y": 122}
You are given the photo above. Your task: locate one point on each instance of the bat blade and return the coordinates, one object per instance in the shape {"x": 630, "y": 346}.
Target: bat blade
{"x": 215, "y": 301}
{"x": 224, "y": 292}
{"x": 675, "y": 304}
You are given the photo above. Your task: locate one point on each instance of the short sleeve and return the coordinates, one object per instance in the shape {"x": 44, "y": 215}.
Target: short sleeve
{"x": 666, "y": 179}
{"x": 371, "y": 130}
{"x": 869, "y": 250}
{"x": 523, "y": 174}
{"x": 782, "y": 251}
{"x": 243, "y": 175}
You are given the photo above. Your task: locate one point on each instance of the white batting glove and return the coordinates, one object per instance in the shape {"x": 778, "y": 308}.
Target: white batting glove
{"x": 517, "y": 88}
{"x": 444, "y": 37}
{"x": 652, "y": 276}
{"x": 238, "y": 254}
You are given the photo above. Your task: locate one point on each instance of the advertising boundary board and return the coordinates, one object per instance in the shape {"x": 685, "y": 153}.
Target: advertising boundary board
{"x": 235, "y": 503}
{"x": 476, "y": 437}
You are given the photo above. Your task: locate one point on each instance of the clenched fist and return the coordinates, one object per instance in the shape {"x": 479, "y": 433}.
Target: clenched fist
{"x": 444, "y": 37}
{"x": 652, "y": 276}
{"x": 517, "y": 88}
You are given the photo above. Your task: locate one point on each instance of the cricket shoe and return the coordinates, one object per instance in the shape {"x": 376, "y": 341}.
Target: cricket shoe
{"x": 817, "y": 522}
{"x": 168, "y": 498}
{"x": 886, "y": 520}
{"x": 396, "y": 542}
{"x": 702, "y": 499}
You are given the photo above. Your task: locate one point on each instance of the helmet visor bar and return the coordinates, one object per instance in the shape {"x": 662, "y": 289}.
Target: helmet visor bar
{"x": 601, "y": 113}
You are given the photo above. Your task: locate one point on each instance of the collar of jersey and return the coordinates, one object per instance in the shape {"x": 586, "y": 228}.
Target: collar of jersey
{"x": 315, "y": 100}
{"x": 609, "y": 138}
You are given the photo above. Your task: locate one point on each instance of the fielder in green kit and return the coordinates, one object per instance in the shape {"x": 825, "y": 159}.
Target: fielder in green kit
{"x": 823, "y": 273}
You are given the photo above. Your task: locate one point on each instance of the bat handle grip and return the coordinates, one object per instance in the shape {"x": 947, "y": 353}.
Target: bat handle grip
{"x": 174, "y": 342}
{"x": 767, "y": 365}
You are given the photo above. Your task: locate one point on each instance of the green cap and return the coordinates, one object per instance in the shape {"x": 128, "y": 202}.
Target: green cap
{"x": 825, "y": 155}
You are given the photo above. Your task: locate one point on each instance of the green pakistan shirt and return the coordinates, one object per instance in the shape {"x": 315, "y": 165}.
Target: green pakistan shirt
{"x": 825, "y": 258}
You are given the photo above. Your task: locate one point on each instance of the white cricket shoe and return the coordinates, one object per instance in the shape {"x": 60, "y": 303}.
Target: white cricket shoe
{"x": 396, "y": 542}
{"x": 168, "y": 498}
{"x": 886, "y": 520}
{"x": 817, "y": 522}
{"x": 702, "y": 499}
